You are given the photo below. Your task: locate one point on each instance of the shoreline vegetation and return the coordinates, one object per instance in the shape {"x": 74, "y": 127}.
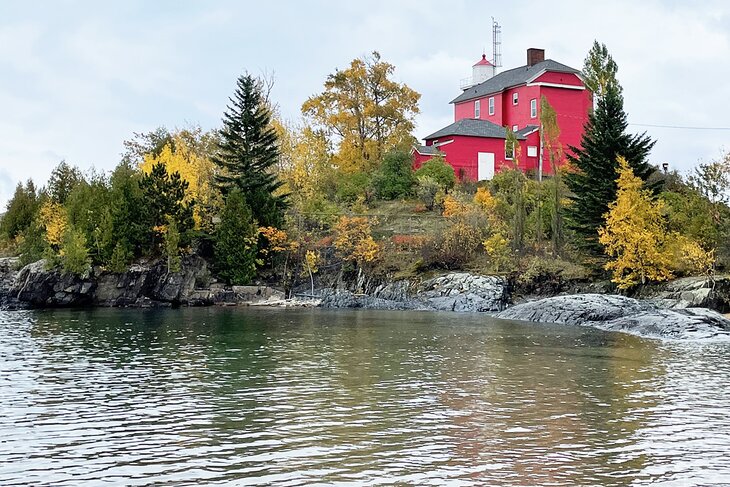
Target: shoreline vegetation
{"x": 331, "y": 204}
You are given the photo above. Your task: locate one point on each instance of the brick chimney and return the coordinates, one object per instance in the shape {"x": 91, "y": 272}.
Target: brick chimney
{"x": 535, "y": 56}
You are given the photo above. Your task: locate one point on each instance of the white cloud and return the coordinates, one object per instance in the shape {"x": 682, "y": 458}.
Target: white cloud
{"x": 78, "y": 78}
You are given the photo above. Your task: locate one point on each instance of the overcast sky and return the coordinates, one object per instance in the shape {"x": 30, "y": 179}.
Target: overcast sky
{"x": 77, "y": 78}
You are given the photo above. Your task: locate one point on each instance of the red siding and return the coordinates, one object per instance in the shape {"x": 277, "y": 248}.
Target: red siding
{"x": 520, "y": 114}
{"x": 571, "y": 106}
{"x": 559, "y": 78}
{"x": 466, "y": 109}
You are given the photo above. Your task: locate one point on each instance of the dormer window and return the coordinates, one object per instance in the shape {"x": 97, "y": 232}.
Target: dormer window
{"x": 491, "y": 105}
{"x": 515, "y": 98}
{"x": 477, "y": 108}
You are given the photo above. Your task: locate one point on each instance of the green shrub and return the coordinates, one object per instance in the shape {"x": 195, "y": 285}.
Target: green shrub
{"x": 439, "y": 170}
{"x": 427, "y": 190}
{"x": 352, "y": 186}
{"x": 395, "y": 178}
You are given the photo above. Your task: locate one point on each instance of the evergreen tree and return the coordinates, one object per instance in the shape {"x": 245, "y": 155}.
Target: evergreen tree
{"x": 20, "y": 211}
{"x": 236, "y": 239}
{"x": 63, "y": 180}
{"x": 123, "y": 230}
{"x": 164, "y": 196}
{"x": 593, "y": 184}
{"x": 248, "y": 151}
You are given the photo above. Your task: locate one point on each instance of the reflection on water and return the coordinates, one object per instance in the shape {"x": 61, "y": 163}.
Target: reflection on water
{"x": 253, "y": 396}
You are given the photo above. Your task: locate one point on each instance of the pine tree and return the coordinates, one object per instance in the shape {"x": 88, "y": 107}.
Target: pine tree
{"x": 164, "y": 198}
{"x": 593, "y": 184}
{"x": 248, "y": 151}
{"x": 236, "y": 239}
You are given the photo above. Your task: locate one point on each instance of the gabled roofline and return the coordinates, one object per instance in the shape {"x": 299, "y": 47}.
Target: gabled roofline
{"x": 543, "y": 71}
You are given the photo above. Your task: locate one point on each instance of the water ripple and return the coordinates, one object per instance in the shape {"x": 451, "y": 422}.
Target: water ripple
{"x": 314, "y": 397}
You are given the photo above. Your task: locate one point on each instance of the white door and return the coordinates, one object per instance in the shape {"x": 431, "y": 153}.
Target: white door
{"x": 485, "y": 167}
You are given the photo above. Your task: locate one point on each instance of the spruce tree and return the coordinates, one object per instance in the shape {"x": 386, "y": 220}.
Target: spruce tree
{"x": 593, "y": 183}
{"x": 236, "y": 239}
{"x": 248, "y": 151}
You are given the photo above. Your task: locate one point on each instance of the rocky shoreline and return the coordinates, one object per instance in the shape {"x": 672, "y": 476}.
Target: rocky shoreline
{"x": 621, "y": 313}
{"x": 677, "y": 309}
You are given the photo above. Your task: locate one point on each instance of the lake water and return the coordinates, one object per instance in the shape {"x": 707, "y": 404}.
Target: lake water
{"x": 226, "y": 396}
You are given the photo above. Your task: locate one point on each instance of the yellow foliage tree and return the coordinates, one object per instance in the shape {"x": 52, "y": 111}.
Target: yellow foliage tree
{"x": 184, "y": 156}
{"x": 54, "y": 219}
{"x": 311, "y": 261}
{"x": 354, "y": 240}
{"x": 365, "y": 111}
{"x": 305, "y": 164}
{"x": 691, "y": 258}
{"x": 635, "y": 233}
{"x": 498, "y": 249}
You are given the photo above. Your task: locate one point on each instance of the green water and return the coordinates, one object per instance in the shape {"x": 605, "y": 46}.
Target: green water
{"x": 225, "y": 396}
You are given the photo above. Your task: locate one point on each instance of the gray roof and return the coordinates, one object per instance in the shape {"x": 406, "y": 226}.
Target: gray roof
{"x": 474, "y": 128}
{"x": 510, "y": 78}
{"x": 525, "y": 131}
{"x": 427, "y": 150}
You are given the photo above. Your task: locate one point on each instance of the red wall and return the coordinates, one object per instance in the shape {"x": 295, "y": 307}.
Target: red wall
{"x": 419, "y": 159}
{"x": 463, "y": 152}
{"x": 466, "y": 109}
{"x": 571, "y": 108}
{"x": 561, "y": 78}
{"x": 520, "y": 114}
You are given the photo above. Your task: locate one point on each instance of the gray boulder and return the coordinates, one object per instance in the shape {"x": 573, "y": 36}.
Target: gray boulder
{"x": 619, "y": 313}
{"x": 461, "y": 291}
{"x": 458, "y": 291}
{"x": 689, "y": 292}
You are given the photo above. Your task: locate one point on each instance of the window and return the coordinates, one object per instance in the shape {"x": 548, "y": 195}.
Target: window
{"x": 533, "y": 108}
{"x": 515, "y": 98}
{"x": 509, "y": 151}
{"x": 477, "y": 108}
{"x": 491, "y": 105}
{"x": 515, "y": 128}
{"x": 531, "y": 151}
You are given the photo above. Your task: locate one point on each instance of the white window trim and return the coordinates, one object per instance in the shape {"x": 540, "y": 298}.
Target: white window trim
{"x": 515, "y": 98}
{"x": 531, "y": 151}
{"x": 509, "y": 158}
{"x": 515, "y": 128}
{"x": 491, "y": 105}
{"x": 533, "y": 108}
{"x": 477, "y": 109}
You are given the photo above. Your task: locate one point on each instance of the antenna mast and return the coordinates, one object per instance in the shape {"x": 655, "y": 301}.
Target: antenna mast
{"x": 496, "y": 44}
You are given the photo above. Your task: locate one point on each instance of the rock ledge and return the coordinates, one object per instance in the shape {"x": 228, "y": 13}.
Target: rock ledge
{"x": 619, "y": 313}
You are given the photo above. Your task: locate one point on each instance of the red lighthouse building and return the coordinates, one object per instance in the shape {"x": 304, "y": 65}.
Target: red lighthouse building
{"x": 489, "y": 103}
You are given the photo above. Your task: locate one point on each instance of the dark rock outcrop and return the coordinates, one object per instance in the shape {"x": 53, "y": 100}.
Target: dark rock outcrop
{"x": 458, "y": 291}
{"x": 140, "y": 286}
{"x": 8, "y": 272}
{"x": 619, "y": 313}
